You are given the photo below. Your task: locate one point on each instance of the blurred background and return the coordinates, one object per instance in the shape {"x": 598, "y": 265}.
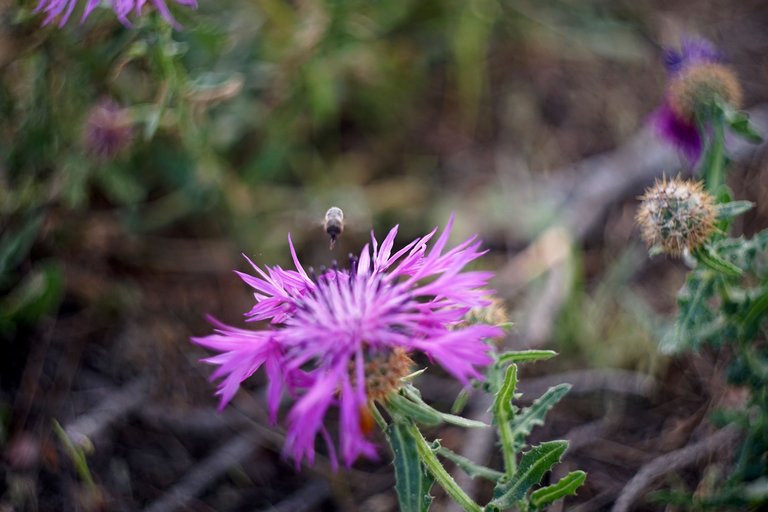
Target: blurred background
{"x": 137, "y": 164}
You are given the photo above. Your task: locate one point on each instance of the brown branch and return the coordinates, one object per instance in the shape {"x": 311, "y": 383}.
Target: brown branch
{"x": 121, "y": 402}
{"x": 206, "y": 472}
{"x": 673, "y": 461}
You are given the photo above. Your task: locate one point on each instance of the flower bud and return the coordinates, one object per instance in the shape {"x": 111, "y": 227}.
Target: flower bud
{"x": 676, "y": 215}
{"x": 696, "y": 89}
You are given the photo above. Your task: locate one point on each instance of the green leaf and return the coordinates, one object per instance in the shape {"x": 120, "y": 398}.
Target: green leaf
{"x": 711, "y": 259}
{"x": 412, "y": 394}
{"x": 460, "y": 402}
{"x": 413, "y": 481}
{"x": 469, "y": 467}
{"x": 15, "y": 244}
{"x": 566, "y": 486}
{"x": 402, "y": 409}
{"x": 755, "y": 315}
{"x": 739, "y": 123}
{"x": 503, "y": 401}
{"x": 535, "y": 414}
{"x": 533, "y": 465}
{"x": 36, "y": 295}
{"x": 733, "y": 209}
{"x": 524, "y": 356}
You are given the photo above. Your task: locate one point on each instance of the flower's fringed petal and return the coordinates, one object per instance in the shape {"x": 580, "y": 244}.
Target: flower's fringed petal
{"x": 353, "y": 400}
{"x": 296, "y": 261}
{"x": 331, "y": 448}
{"x": 62, "y": 9}
{"x": 461, "y": 350}
{"x": 680, "y": 133}
{"x": 275, "y": 387}
{"x": 306, "y": 417}
{"x": 241, "y": 353}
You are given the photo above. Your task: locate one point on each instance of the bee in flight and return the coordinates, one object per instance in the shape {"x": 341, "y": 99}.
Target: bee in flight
{"x": 334, "y": 223}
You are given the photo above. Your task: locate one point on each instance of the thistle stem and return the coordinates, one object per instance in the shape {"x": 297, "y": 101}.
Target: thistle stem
{"x": 714, "y": 163}
{"x": 507, "y": 445}
{"x": 429, "y": 459}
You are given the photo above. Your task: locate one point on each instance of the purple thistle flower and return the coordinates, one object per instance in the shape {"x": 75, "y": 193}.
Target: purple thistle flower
{"x": 692, "y": 51}
{"x": 324, "y": 330}
{"x": 683, "y": 133}
{"x": 62, "y": 9}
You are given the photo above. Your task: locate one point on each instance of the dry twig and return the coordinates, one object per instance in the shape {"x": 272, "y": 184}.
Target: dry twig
{"x": 672, "y": 462}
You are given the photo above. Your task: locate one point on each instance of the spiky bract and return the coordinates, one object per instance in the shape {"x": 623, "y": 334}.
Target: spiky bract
{"x": 676, "y": 215}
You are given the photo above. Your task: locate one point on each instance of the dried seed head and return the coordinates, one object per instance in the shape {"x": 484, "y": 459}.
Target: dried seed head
{"x": 108, "y": 129}
{"x": 384, "y": 373}
{"x": 676, "y": 215}
{"x": 493, "y": 314}
{"x": 698, "y": 87}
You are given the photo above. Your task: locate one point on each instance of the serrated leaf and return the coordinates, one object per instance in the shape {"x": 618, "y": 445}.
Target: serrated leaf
{"x": 733, "y": 209}
{"x": 413, "y": 481}
{"x": 566, "y": 486}
{"x": 502, "y": 403}
{"x": 412, "y": 395}
{"x": 711, "y": 259}
{"x": 460, "y": 402}
{"x": 470, "y": 468}
{"x": 534, "y": 415}
{"x": 533, "y": 465}
{"x": 755, "y": 314}
{"x": 523, "y": 356}
{"x": 739, "y": 123}
{"x": 402, "y": 408}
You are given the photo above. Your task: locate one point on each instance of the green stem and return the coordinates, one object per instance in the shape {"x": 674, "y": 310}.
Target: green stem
{"x": 715, "y": 159}
{"x": 504, "y": 415}
{"x": 507, "y": 445}
{"x": 380, "y": 421}
{"x": 429, "y": 459}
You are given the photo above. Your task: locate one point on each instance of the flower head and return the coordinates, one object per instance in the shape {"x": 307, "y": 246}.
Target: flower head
{"x": 676, "y": 215}
{"x": 62, "y": 9}
{"x": 697, "y": 80}
{"x": 343, "y": 337}
{"x": 108, "y": 129}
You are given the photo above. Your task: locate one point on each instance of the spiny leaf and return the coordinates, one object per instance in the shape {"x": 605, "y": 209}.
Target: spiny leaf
{"x": 413, "y": 480}
{"x": 414, "y": 397}
{"x": 533, "y": 465}
{"x": 469, "y": 467}
{"x": 566, "y": 486}
{"x": 739, "y": 123}
{"x": 403, "y": 409}
{"x": 535, "y": 414}
{"x": 733, "y": 209}
{"x": 711, "y": 259}
{"x": 523, "y": 356}
{"x": 503, "y": 402}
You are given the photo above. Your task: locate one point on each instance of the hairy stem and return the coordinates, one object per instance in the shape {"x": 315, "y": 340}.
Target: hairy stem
{"x": 446, "y": 481}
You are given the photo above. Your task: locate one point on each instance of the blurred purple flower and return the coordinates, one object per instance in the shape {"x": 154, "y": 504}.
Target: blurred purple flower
{"x": 692, "y": 51}
{"x": 62, "y": 9}
{"x": 108, "y": 129}
{"x": 683, "y": 133}
{"x": 325, "y": 329}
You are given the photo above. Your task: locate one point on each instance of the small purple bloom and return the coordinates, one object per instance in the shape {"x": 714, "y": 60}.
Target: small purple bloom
{"x": 692, "y": 51}
{"x": 324, "y": 329}
{"x": 682, "y": 133}
{"x": 62, "y": 9}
